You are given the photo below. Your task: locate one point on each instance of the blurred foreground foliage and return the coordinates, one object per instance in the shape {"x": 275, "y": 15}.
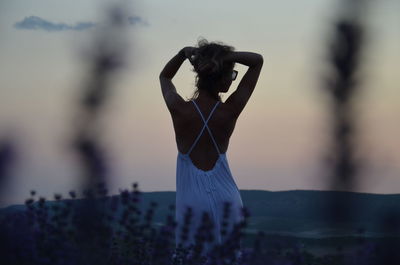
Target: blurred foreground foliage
{"x": 45, "y": 232}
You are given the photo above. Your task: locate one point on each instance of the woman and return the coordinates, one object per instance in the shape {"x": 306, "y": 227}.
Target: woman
{"x": 203, "y": 126}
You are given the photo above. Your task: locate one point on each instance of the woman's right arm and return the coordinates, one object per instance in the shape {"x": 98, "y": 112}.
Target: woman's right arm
{"x": 247, "y": 58}
{"x": 238, "y": 99}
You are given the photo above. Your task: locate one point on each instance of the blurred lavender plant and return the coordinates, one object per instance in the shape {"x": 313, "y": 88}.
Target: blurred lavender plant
{"x": 344, "y": 58}
{"x": 107, "y": 57}
{"x": 343, "y": 84}
{"x": 8, "y": 156}
{"x": 7, "y": 159}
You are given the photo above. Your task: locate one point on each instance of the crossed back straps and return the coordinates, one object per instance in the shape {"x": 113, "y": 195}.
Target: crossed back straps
{"x": 204, "y": 127}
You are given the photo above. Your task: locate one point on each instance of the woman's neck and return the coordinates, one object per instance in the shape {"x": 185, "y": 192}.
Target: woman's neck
{"x": 205, "y": 96}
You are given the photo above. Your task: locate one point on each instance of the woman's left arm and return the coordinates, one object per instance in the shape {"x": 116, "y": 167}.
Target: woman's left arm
{"x": 171, "y": 97}
{"x": 173, "y": 65}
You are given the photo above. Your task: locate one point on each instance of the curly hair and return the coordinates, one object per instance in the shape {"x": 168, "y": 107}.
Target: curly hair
{"x": 209, "y": 55}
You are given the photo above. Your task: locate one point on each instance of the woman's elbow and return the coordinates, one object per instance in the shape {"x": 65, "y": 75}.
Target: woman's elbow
{"x": 163, "y": 75}
{"x": 260, "y": 59}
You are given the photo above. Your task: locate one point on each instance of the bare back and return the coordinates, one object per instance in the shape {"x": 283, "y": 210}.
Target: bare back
{"x": 188, "y": 124}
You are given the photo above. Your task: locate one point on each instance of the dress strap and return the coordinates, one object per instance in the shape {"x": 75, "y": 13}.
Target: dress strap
{"x": 204, "y": 127}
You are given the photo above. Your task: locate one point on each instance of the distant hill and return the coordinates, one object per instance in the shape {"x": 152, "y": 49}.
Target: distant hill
{"x": 298, "y": 213}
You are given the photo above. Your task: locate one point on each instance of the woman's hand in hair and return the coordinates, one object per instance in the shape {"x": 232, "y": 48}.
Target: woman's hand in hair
{"x": 188, "y": 52}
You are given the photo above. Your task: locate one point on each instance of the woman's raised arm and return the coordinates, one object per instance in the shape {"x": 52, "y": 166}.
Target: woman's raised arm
{"x": 175, "y": 63}
{"x": 171, "y": 97}
{"x": 247, "y": 58}
{"x": 238, "y": 99}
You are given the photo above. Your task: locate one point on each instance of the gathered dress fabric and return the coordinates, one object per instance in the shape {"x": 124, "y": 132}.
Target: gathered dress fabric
{"x": 205, "y": 191}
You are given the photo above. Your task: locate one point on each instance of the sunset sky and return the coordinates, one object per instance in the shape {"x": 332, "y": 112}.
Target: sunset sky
{"x": 280, "y": 137}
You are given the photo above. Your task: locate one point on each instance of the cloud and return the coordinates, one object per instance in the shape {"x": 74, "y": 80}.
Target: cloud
{"x": 136, "y": 20}
{"x": 37, "y": 23}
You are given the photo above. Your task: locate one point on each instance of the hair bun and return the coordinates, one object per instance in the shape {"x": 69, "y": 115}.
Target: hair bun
{"x": 207, "y": 67}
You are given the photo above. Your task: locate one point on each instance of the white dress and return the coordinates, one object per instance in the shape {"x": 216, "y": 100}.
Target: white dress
{"x": 205, "y": 191}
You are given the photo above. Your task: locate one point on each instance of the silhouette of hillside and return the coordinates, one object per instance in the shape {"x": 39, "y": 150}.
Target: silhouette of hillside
{"x": 294, "y": 213}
